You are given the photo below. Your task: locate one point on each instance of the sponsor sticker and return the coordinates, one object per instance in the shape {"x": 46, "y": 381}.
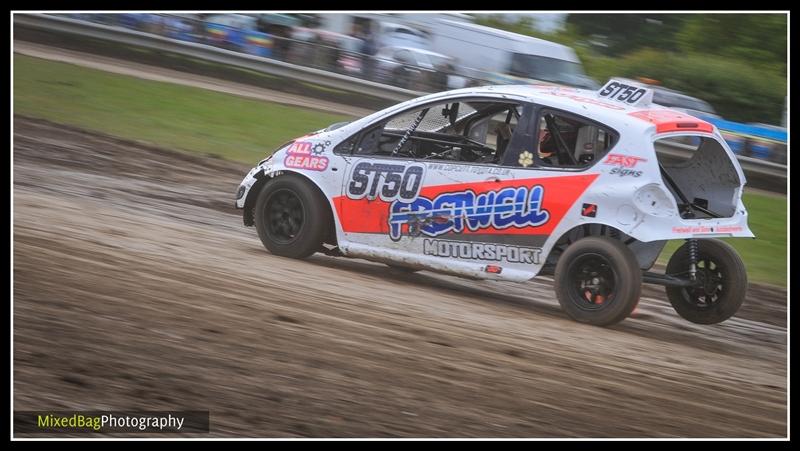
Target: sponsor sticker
{"x": 306, "y": 155}
{"x": 625, "y": 161}
{"x": 446, "y": 167}
{"x": 622, "y": 172}
{"x": 464, "y": 210}
{"x": 707, "y": 229}
{"x": 468, "y": 250}
{"x": 589, "y": 210}
{"x": 525, "y": 159}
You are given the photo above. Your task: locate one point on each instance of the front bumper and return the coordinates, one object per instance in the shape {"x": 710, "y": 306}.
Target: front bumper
{"x": 247, "y": 183}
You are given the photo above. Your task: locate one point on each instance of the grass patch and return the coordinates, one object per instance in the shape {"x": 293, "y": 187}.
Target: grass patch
{"x": 211, "y": 64}
{"x": 165, "y": 114}
{"x": 245, "y": 130}
{"x": 765, "y": 256}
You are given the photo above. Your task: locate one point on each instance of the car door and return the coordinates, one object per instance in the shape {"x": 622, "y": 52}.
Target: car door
{"x": 496, "y": 220}
{"x": 465, "y": 214}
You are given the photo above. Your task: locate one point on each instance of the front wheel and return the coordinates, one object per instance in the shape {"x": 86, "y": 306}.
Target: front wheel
{"x": 722, "y": 282}
{"x": 598, "y": 281}
{"x": 290, "y": 217}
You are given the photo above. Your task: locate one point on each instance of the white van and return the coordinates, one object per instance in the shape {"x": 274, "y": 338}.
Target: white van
{"x": 392, "y": 34}
{"x": 503, "y": 57}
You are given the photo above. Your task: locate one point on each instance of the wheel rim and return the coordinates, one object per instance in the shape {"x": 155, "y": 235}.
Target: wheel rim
{"x": 283, "y": 216}
{"x": 710, "y": 287}
{"x": 593, "y": 282}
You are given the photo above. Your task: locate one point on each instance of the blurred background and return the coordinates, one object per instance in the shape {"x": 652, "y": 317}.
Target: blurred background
{"x": 137, "y": 287}
{"x": 729, "y": 69}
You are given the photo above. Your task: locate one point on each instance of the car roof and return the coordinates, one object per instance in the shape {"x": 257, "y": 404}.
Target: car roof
{"x": 672, "y": 94}
{"x": 587, "y": 103}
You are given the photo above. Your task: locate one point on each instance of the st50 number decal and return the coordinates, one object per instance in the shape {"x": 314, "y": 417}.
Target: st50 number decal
{"x": 625, "y": 93}
{"x": 388, "y": 181}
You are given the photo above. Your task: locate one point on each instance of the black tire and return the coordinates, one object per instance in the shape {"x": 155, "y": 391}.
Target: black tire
{"x": 724, "y": 282}
{"x": 299, "y": 217}
{"x": 598, "y": 281}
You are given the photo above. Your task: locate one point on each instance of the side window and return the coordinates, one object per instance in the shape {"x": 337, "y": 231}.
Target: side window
{"x": 466, "y": 131}
{"x": 438, "y": 118}
{"x": 495, "y": 131}
{"x": 569, "y": 141}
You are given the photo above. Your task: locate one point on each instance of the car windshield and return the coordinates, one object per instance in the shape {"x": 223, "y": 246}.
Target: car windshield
{"x": 545, "y": 69}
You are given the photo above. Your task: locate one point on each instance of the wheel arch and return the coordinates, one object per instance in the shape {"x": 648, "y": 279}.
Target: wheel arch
{"x": 646, "y": 252}
{"x": 252, "y": 196}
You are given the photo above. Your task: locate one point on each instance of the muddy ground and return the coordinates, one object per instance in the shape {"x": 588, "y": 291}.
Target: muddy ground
{"x": 136, "y": 287}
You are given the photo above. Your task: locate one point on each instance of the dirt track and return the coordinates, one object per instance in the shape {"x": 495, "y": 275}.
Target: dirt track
{"x": 137, "y": 287}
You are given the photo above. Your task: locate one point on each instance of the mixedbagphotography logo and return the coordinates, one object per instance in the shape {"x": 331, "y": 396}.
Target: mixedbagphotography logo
{"x": 44, "y": 421}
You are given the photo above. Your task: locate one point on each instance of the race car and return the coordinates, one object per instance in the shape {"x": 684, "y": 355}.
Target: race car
{"x": 513, "y": 182}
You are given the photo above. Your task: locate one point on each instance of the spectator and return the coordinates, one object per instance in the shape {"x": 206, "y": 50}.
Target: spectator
{"x": 747, "y": 148}
{"x": 368, "y": 51}
{"x": 454, "y": 80}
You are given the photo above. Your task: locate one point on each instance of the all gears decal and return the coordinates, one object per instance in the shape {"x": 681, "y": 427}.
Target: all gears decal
{"x": 306, "y": 155}
{"x": 319, "y": 148}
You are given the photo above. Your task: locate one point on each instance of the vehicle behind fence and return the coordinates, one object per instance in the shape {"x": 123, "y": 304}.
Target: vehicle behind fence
{"x": 341, "y": 53}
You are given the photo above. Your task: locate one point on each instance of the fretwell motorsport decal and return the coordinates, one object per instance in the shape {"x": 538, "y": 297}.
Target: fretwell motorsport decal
{"x": 302, "y": 155}
{"x": 474, "y": 208}
{"x": 455, "y": 212}
{"x": 389, "y": 181}
{"x": 481, "y": 251}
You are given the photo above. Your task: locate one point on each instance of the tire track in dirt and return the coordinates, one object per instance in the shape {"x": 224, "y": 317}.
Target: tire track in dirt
{"x": 137, "y": 287}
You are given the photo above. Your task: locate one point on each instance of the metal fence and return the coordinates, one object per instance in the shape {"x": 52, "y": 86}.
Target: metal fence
{"x": 338, "y": 53}
{"x": 317, "y": 48}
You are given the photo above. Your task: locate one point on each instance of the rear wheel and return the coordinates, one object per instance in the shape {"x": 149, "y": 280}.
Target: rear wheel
{"x": 722, "y": 282}
{"x": 290, "y": 217}
{"x": 598, "y": 281}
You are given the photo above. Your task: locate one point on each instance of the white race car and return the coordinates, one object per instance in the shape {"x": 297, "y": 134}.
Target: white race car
{"x": 511, "y": 182}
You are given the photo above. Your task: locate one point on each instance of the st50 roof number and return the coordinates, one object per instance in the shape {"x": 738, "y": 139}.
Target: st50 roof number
{"x": 625, "y": 93}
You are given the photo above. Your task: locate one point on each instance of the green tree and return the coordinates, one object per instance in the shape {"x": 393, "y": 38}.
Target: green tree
{"x": 736, "y": 62}
{"x": 738, "y": 91}
{"x": 752, "y": 38}
{"x": 617, "y": 34}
